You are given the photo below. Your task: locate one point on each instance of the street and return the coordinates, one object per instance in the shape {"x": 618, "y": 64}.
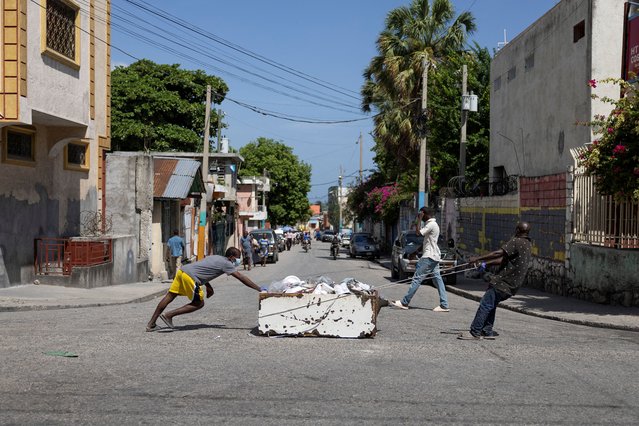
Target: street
{"x": 214, "y": 368}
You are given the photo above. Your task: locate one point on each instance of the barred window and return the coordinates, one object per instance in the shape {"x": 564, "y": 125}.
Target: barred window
{"x": 60, "y": 33}
{"x": 20, "y": 146}
{"x": 76, "y": 156}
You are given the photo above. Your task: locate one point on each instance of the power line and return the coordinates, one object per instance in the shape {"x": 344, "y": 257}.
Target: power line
{"x": 167, "y": 16}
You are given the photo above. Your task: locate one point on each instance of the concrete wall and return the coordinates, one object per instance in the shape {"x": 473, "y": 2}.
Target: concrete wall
{"x": 540, "y": 86}
{"x": 604, "y": 275}
{"x": 560, "y": 267}
{"x": 129, "y": 199}
{"x": 125, "y": 268}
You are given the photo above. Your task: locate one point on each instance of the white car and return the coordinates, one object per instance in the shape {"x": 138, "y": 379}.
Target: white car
{"x": 346, "y": 240}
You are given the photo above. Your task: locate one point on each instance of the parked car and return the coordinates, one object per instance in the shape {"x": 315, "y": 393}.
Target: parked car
{"x": 327, "y": 236}
{"x": 346, "y": 240}
{"x": 407, "y": 249}
{"x": 363, "y": 244}
{"x": 273, "y": 251}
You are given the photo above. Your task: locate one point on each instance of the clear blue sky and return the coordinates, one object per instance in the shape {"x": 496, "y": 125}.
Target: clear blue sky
{"x": 330, "y": 42}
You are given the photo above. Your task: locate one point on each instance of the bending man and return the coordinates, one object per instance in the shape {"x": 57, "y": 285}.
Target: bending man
{"x": 190, "y": 280}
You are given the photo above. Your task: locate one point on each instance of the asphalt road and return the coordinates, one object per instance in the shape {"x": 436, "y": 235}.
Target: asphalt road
{"x": 214, "y": 369}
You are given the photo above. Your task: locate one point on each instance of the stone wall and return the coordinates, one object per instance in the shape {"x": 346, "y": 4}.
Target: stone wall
{"x": 596, "y": 274}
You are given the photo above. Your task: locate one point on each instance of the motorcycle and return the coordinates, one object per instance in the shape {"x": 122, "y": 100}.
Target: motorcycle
{"x": 306, "y": 244}
{"x": 334, "y": 249}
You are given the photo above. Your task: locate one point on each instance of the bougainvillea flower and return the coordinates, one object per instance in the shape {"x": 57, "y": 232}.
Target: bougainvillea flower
{"x": 619, "y": 149}
{"x": 592, "y": 83}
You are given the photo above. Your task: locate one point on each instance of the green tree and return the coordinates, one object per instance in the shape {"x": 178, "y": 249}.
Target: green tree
{"x": 290, "y": 179}
{"x": 161, "y": 107}
{"x": 445, "y": 118}
{"x": 424, "y": 32}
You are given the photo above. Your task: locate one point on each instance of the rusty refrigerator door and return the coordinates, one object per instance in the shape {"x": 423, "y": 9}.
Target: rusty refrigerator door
{"x": 330, "y": 315}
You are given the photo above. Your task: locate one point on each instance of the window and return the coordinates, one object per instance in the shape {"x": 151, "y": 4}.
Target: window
{"x": 512, "y": 73}
{"x": 19, "y": 146}
{"x": 61, "y": 32}
{"x": 76, "y": 156}
{"x": 529, "y": 63}
{"x": 497, "y": 84}
{"x": 578, "y": 31}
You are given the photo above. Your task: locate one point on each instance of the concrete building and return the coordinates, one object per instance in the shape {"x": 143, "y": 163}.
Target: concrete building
{"x": 251, "y": 197}
{"x": 54, "y": 120}
{"x": 177, "y": 190}
{"x": 540, "y": 86}
{"x": 539, "y": 92}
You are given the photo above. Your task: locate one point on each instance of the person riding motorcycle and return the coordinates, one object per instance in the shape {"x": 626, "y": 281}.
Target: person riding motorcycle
{"x": 306, "y": 239}
{"x": 335, "y": 246}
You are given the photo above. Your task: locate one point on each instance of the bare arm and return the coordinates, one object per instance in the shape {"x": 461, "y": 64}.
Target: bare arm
{"x": 492, "y": 258}
{"x": 418, "y": 223}
{"x": 245, "y": 280}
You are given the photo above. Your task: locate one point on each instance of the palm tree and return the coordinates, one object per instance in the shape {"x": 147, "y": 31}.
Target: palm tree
{"x": 416, "y": 36}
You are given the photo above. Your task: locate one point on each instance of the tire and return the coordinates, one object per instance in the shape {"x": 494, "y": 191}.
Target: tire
{"x": 401, "y": 275}
{"x": 450, "y": 279}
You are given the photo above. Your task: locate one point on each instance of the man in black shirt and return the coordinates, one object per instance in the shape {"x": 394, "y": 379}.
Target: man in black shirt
{"x": 513, "y": 260}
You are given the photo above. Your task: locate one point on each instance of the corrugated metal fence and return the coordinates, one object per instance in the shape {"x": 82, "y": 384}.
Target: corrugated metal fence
{"x": 601, "y": 220}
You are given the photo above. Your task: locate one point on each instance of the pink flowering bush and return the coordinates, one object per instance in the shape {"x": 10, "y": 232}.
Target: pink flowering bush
{"x": 382, "y": 202}
{"x": 614, "y": 157}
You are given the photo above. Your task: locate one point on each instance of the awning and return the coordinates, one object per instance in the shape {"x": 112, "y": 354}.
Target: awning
{"x": 176, "y": 178}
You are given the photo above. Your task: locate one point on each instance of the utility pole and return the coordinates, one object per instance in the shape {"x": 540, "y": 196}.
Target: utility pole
{"x": 220, "y": 114}
{"x": 201, "y": 231}
{"x": 424, "y": 156}
{"x": 339, "y": 198}
{"x": 464, "y": 119}
{"x": 361, "y": 151}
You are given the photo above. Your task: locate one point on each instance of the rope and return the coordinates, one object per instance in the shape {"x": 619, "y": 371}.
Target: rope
{"x": 422, "y": 277}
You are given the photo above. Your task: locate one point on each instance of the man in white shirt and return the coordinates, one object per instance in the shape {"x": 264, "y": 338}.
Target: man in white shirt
{"x": 428, "y": 265}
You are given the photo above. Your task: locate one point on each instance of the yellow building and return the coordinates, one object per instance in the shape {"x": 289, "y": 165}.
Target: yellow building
{"x": 55, "y": 124}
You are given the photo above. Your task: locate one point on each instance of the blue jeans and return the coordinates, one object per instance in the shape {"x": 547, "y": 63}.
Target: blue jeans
{"x": 485, "y": 316}
{"x": 427, "y": 266}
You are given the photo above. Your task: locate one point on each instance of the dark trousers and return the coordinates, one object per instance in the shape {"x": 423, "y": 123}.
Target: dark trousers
{"x": 485, "y": 316}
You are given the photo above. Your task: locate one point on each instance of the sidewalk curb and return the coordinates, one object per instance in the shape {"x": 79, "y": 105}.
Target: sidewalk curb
{"x": 90, "y": 305}
{"x": 468, "y": 295}
{"x": 525, "y": 311}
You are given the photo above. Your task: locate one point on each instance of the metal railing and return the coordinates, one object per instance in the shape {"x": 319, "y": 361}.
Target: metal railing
{"x": 58, "y": 256}
{"x": 601, "y": 220}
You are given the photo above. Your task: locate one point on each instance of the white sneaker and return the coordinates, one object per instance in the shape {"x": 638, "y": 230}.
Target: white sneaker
{"x": 440, "y": 309}
{"x": 398, "y": 304}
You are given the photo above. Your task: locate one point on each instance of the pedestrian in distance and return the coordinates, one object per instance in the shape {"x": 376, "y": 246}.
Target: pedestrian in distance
{"x": 175, "y": 249}
{"x": 514, "y": 261}
{"x": 428, "y": 264}
{"x": 246, "y": 242}
{"x": 189, "y": 282}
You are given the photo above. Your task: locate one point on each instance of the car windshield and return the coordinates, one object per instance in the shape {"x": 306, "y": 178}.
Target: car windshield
{"x": 364, "y": 239}
{"x": 413, "y": 238}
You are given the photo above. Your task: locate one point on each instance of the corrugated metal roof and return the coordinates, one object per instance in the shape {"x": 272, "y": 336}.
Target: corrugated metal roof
{"x": 174, "y": 177}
